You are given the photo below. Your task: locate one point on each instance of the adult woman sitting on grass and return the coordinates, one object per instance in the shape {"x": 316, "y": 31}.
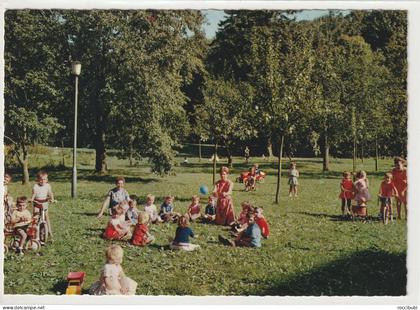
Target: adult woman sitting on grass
{"x": 114, "y": 197}
{"x": 223, "y": 190}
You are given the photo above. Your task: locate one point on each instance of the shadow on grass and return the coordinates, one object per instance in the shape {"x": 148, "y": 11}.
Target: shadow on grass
{"x": 364, "y": 273}
{"x": 87, "y": 213}
{"x": 59, "y": 287}
{"x": 339, "y": 218}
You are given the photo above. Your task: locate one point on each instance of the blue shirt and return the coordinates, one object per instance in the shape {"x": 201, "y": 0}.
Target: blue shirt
{"x": 183, "y": 234}
{"x": 210, "y": 210}
{"x": 164, "y": 208}
{"x": 253, "y": 231}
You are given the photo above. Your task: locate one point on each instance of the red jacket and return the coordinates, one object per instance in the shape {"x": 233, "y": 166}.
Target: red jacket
{"x": 265, "y": 229}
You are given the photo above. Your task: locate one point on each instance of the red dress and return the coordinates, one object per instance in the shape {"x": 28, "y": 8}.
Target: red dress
{"x": 111, "y": 233}
{"x": 140, "y": 235}
{"x": 348, "y": 186}
{"x": 225, "y": 214}
{"x": 262, "y": 223}
{"x": 399, "y": 178}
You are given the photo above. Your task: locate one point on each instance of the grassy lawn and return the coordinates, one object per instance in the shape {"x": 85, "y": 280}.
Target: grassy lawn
{"x": 311, "y": 251}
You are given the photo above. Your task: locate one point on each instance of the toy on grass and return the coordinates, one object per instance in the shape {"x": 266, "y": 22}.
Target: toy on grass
{"x": 75, "y": 282}
{"x": 204, "y": 190}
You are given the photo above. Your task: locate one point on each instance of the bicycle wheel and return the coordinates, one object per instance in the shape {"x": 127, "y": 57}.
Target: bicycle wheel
{"x": 5, "y": 249}
{"x": 43, "y": 232}
{"x": 14, "y": 243}
{"x": 33, "y": 245}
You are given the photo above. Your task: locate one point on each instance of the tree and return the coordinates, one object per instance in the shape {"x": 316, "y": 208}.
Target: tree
{"x": 33, "y": 73}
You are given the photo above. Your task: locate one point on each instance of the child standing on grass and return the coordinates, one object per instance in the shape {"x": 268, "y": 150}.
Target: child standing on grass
{"x": 361, "y": 188}
{"x": 141, "y": 235}
{"x": 118, "y": 228}
{"x": 113, "y": 281}
{"x": 132, "y": 213}
{"x": 151, "y": 210}
{"x": 194, "y": 208}
{"x": 399, "y": 177}
{"x": 182, "y": 236}
{"x": 387, "y": 190}
{"x": 21, "y": 218}
{"x": 7, "y": 199}
{"x": 41, "y": 195}
{"x": 293, "y": 179}
{"x": 346, "y": 194}
{"x": 115, "y": 196}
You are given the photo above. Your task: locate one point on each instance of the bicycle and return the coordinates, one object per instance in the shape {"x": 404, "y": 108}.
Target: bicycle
{"x": 42, "y": 225}
{"x": 386, "y": 210}
{"x": 31, "y": 241}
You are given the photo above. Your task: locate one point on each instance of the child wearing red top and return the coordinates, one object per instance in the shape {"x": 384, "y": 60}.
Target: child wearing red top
{"x": 141, "y": 235}
{"x": 194, "y": 208}
{"x": 262, "y": 222}
{"x": 242, "y": 222}
{"x": 386, "y": 191}
{"x": 399, "y": 177}
{"x": 346, "y": 193}
{"x": 118, "y": 228}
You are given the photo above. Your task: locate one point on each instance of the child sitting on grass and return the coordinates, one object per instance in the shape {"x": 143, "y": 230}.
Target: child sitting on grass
{"x": 141, "y": 235}
{"x": 114, "y": 197}
{"x": 210, "y": 211}
{"x": 346, "y": 193}
{"x": 132, "y": 213}
{"x": 262, "y": 222}
{"x": 194, "y": 208}
{"x": 118, "y": 228}
{"x": 251, "y": 237}
{"x": 20, "y": 219}
{"x": 183, "y": 232}
{"x": 167, "y": 213}
{"x": 242, "y": 222}
{"x": 113, "y": 281}
{"x": 151, "y": 210}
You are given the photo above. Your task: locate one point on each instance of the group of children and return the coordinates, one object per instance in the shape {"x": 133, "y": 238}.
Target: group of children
{"x": 128, "y": 223}
{"x": 393, "y": 185}
{"x": 17, "y": 218}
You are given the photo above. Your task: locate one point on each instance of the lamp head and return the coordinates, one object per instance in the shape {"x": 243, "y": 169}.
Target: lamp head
{"x": 76, "y": 67}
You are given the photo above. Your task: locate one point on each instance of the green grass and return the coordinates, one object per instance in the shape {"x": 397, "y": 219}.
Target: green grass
{"x": 311, "y": 251}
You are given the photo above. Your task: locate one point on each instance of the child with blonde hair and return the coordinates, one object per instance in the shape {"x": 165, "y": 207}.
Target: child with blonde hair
{"x": 387, "y": 190}
{"x": 167, "y": 213}
{"x": 194, "y": 208}
{"x": 20, "y": 219}
{"x": 182, "y": 235}
{"x": 293, "y": 179}
{"x": 132, "y": 213}
{"x": 346, "y": 194}
{"x": 118, "y": 228}
{"x": 41, "y": 195}
{"x": 361, "y": 187}
{"x": 113, "y": 281}
{"x": 141, "y": 235}
{"x": 151, "y": 210}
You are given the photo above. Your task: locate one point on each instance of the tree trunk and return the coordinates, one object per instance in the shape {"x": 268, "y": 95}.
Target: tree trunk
{"x": 229, "y": 156}
{"x": 25, "y": 170}
{"x": 214, "y": 163}
{"x": 279, "y": 169}
{"x": 353, "y": 123}
{"x": 199, "y": 150}
{"x": 376, "y": 153}
{"x": 361, "y": 154}
{"x": 326, "y": 157}
{"x": 100, "y": 164}
{"x": 269, "y": 148}
{"x": 354, "y": 153}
